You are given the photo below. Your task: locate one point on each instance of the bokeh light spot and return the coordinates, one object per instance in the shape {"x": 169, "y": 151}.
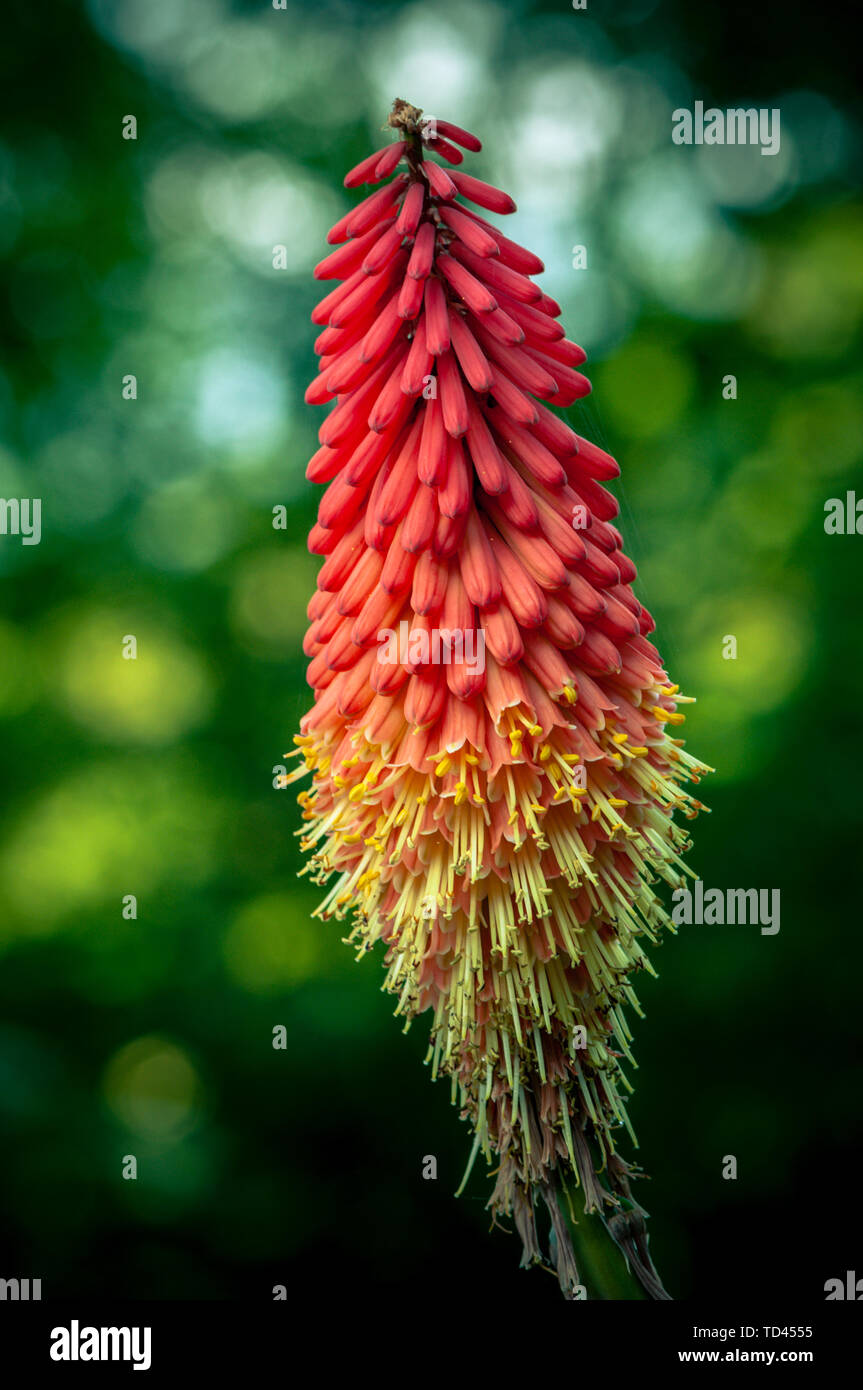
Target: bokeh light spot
{"x": 271, "y": 946}
{"x": 647, "y": 387}
{"x": 153, "y": 699}
{"x": 269, "y": 597}
{"x": 152, "y": 1086}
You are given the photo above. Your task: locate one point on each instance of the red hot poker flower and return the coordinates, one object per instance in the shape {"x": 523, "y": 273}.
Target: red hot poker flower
{"x": 494, "y": 777}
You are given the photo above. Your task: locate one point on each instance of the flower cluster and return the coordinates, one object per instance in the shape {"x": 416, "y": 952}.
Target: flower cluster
{"x": 498, "y": 825}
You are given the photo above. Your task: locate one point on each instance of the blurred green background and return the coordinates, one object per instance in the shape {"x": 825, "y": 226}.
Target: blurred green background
{"x": 153, "y": 1037}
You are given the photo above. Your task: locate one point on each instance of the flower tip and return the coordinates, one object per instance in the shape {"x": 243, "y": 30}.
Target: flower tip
{"x": 405, "y": 117}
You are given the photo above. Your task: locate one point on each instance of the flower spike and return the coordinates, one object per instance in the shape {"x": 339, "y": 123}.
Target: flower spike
{"x": 494, "y": 777}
